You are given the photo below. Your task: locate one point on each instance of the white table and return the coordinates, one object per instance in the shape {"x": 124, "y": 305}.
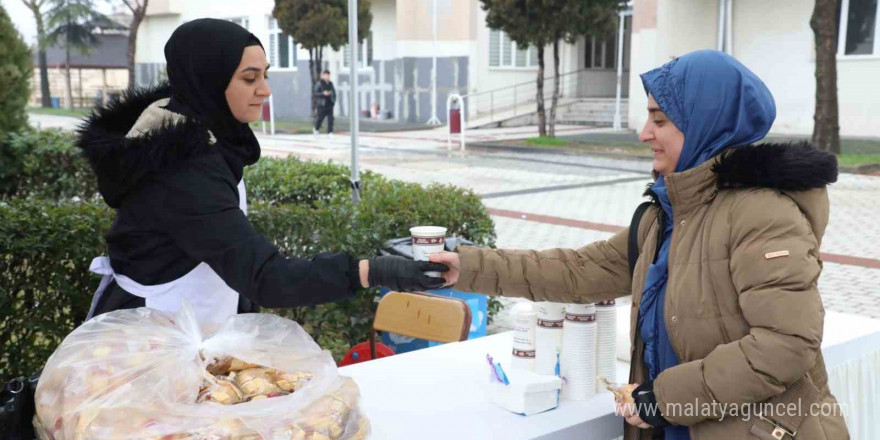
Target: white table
{"x": 439, "y": 392}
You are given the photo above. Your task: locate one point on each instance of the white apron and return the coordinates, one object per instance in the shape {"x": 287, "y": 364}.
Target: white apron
{"x": 210, "y": 297}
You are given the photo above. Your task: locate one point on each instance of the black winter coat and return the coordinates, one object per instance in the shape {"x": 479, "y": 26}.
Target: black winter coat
{"x": 177, "y": 205}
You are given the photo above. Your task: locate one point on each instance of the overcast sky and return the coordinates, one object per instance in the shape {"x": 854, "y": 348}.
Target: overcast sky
{"x": 23, "y": 18}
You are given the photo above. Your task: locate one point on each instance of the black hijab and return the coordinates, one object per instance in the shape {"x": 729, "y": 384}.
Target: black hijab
{"x": 202, "y": 57}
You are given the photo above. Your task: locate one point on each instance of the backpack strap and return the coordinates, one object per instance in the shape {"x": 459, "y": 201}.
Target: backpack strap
{"x": 633, "y": 244}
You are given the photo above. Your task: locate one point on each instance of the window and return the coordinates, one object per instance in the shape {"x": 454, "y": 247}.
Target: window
{"x": 282, "y": 48}
{"x": 365, "y": 52}
{"x": 858, "y": 26}
{"x": 601, "y": 54}
{"x": 241, "y": 21}
{"x": 505, "y": 53}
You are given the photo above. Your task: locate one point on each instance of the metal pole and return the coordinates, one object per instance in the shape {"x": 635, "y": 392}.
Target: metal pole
{"x": 620, "y": 41}
{"x": 728, "y": 28}
{"x": 272, "y": 115}
{"x": 353, "y": 46}
{"x": 720, "y": 25}
{"x": 434, "y": 120}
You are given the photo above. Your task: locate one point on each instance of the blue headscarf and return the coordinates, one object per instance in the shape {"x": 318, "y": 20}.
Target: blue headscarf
{"x": 717, "y": 103}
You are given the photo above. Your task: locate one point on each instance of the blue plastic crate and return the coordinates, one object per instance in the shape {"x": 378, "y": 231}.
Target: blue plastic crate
{"x": 479, "y": 320}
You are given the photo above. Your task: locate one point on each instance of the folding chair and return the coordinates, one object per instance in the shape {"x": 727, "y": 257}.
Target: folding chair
{"x": 421, "y": 315}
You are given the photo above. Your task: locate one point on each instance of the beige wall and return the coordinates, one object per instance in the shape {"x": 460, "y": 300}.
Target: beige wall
{"x": 92, "y": 81}
{"x": 456, "y": 20}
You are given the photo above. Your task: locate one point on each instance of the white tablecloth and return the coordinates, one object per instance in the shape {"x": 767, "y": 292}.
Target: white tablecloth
{"x": 438, "y": 392}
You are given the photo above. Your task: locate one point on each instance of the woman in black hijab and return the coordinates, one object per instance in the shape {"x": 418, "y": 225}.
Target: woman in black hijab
{"x": 170, "y": 160}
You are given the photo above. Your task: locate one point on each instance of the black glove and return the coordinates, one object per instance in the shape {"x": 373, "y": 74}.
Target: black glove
{"x": 404, "y": 275}
{"x": 646, "y": 404}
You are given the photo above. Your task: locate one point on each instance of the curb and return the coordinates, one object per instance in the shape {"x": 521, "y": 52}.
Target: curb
{"x": 517, "y": 149}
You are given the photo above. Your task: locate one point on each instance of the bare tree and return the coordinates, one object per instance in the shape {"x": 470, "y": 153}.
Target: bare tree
{"x": 36, "y": 7}
{"x": 826, "y": 127}
{"x": 138, "y": 10}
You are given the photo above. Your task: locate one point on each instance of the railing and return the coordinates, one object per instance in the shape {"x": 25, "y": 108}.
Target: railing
{"x": 506, "y": 102}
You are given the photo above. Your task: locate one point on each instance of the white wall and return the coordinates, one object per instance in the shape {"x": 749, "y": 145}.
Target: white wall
{"x": 682, "y": 26}
{"x": 384, "y": 29}
{"x": 156, "y": 29}
{"x": 490, "y": 78}
{"x": 152, "y": 36}
{"x": 774, "y": 40}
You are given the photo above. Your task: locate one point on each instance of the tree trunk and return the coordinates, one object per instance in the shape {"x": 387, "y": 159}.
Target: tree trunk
{"x": 555, "y": 99}
{"x": 542, "y": 117}
{"x": 45, "y": 92}
{"x": 68, "y": 89}
{"x": 137, "y": 18}
{"x": 826, "y": 128}
{"x": 313, "y": 52}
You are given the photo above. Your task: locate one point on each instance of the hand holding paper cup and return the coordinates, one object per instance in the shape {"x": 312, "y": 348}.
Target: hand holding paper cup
{"x": 427, "y": 240}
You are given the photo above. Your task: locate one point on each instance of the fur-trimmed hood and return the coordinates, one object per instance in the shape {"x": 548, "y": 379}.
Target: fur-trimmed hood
{"x": 783, "y": 166}
{"x": 134, "y": 137}
{"x": 790, "y": 166}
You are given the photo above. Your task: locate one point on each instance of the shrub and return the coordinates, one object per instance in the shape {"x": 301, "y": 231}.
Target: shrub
{"x": 45, "y": 251}
{"x": 44, "y": 164}
{"x": 15, "y": 76}
{"x": 303, "y": 207}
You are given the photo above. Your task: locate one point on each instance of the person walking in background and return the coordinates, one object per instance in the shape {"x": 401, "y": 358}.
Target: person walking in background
{"x": 325, "y": 95}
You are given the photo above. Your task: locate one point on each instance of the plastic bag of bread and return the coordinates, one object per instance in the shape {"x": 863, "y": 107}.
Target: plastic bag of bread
{"x": 145, "y": 375}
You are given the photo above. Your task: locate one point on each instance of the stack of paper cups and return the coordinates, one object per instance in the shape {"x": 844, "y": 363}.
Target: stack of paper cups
{"x": 524, "y": 337}
{"x": 579, "y": 352}
{"x": 548, "y": 336}
{"x": 606, "y": 342}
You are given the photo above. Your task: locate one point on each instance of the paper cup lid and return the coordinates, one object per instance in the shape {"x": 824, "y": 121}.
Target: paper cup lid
{"x": 428, "y": 231}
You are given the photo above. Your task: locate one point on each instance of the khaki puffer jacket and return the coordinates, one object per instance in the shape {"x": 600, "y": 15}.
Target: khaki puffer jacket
{"x": 742, "y": 307}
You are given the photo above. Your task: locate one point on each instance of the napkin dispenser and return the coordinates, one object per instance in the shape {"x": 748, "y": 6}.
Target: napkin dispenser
{"x": 527, "y": 393}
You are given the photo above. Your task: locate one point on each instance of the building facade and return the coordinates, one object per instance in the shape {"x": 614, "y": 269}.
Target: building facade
{"x": 773, "y": 39}
{"x": 395, "y": 63}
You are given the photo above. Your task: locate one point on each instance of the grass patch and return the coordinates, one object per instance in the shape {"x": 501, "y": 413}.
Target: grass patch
{"x": 857, "y": 159}
{"x": 77, "y": 112}
{"x": 546, "y": 141}
{"x": 855, "y": 152}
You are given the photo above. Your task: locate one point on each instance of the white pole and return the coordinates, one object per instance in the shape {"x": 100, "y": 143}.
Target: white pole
{"x": 728, "y": 28}
{"x": 353, "y": 46}
{"x": 434, "y": 120}
{"x": 720, "y": 25}
{"x": 620, "y": 41}
{"x": 272, "y": 115}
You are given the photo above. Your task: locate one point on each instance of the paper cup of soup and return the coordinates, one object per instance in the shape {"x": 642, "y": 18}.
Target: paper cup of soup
{"x": 427, "y": 240}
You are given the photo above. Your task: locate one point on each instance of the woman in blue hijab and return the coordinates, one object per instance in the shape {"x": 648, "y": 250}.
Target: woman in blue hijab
{"x": 726, "y": 314}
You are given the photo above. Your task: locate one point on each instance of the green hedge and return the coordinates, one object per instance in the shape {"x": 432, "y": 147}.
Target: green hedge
{"x": 15, "y": 77}
{"x": 53, "y": 226}
{"x": 46, "y": 248}
{"x": 44, "y": 164}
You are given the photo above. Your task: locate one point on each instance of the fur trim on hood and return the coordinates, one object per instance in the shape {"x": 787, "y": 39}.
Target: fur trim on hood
{"x": 130, "y": 139}
{"x": 792, "y": 166}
